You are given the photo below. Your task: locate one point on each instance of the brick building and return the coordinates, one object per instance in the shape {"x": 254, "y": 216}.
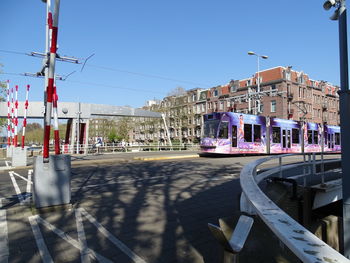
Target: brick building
{"x": 287, "y": 94}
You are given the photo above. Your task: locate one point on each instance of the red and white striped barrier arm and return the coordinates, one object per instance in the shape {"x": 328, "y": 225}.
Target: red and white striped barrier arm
{"x": 12, "y": 118}
{"x": 55, "y": 121}
{"x": 25, "y": 117}
{"x": 50, "y": 87}
{"x": 16, "y": 118}
{"x": 8, "y": 114}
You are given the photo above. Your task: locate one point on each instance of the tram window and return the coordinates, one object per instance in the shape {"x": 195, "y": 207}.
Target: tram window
{"x": 337, "y": 138}
{"x": 257, "y": 133}
{"x": 210, "y": 128}
{"x": 315, "y": 137}
{"x": 295, "y": 135}
{"x": 223, "y": 131}
{"x": 276, "y": 134}
{"x": 309, "y": 136}
{"x": 248, "y": 132}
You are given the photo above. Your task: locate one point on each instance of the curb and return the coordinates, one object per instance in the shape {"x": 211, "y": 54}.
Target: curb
{"x": 166, "y": 157}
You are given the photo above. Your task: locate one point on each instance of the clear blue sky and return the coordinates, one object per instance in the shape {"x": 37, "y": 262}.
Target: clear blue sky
{"x": 187, "y": 43}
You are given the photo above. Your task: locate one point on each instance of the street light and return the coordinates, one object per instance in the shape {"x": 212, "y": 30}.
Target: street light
{"x": 251, "y": 53}
{"x": 344, "y": 105}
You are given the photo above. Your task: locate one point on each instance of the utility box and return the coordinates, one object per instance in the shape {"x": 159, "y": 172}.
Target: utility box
{"x": 51, "y": 181}
{"x": 19, "y": 156}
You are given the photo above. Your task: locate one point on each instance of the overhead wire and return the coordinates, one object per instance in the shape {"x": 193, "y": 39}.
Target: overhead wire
{"x": 93, "y": 84}
{"x": 126, "y": 71}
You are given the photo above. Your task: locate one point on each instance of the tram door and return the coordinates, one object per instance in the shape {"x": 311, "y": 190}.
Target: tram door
{"x": 234, "y": 136}
{"x": 286, "y": 138}
{"x": 330, "y": 141}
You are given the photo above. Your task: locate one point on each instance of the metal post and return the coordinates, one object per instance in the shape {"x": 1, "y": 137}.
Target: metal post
{"x": 16, "y": 118}
{"x": 344, "y": 100}
{"x": 25, "y": 117}
{"x": 55, "y": 121}
{"x": 257, "y": 109}
{"x": 12, "y": 118}
{"x": 304, "y": 170}
{"x": 280, "y": 166}
{"x": 50, "y": 87}
{"x": 8, "y": 114}
{"x": 78, "y": 128}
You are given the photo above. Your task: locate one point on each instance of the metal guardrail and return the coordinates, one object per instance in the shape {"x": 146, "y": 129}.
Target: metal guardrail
{"x": 305, "y": 245}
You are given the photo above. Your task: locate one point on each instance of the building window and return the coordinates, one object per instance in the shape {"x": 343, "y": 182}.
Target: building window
{"x": 273, "y": 106}
{"x": 249, "y": 82}
{"x": 288, "y": 75}
{"x": 233, "y": 88}
{"x": 221, "y": 107}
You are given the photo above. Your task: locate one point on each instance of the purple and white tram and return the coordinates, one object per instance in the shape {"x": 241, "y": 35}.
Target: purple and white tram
{"x": 238, "y": 133}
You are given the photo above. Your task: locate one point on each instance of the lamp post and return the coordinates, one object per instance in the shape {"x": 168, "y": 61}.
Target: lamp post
{"x": 344, "y": 106}
{"x": 251, "y": 53}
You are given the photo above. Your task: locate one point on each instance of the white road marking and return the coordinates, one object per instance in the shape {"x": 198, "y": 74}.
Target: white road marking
{"x": 38, "y": 220}
{"x": 112, "y": 238}
{"x": 40, "y": 242}
{"x": 29, "y": 184}
{"x": 7, "y": 163}
{"x": 15, "y": 185}
{"x": 4, "y": 243}
{"x": 81, "y": 243}
{"x": 25, "y": 179}
{"x": 84, "y": 255}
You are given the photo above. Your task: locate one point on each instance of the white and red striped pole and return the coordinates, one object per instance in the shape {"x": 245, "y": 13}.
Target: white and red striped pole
{"x": 12, "y": 118}
{"x": 50, "y": 87}
{"x": 16, "y": 118}
{"x": 25, "y": 117}
{"x": 8, "y": 114}
{"x": 55, "y": 121}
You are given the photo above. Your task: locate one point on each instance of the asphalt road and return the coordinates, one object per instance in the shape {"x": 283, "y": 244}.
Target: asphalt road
{"x": 126, "y": 207}
{"x": 159, "y": 210}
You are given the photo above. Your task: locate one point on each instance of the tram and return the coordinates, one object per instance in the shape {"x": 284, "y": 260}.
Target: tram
{"x": 238, "y": 133}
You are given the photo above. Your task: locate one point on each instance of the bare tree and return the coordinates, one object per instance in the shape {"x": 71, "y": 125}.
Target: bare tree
{"x": 178, "y": 91}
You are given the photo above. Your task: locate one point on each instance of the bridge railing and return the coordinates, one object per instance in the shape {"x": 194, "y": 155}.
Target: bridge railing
{"x": 305, "y": 245}
{"x": 114, "y": 148}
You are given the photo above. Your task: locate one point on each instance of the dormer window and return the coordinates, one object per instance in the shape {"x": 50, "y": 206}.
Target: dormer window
{"x": 216, "y": 93}
{"x": 288, "y": 75}
{"x": 249, "y": 82}
{"x": 301, "y": 79}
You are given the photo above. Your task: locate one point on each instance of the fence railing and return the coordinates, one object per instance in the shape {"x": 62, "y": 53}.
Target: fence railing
{"x": 305, "y": 245}
{"x": 114, "y": 148}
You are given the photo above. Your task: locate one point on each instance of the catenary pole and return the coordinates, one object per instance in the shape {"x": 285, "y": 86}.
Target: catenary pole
{"x": 344, "y": 105}
{"x": 51, "y": 74}
{"x": 8, "y": 114}
{"x": 25, "y": 116}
